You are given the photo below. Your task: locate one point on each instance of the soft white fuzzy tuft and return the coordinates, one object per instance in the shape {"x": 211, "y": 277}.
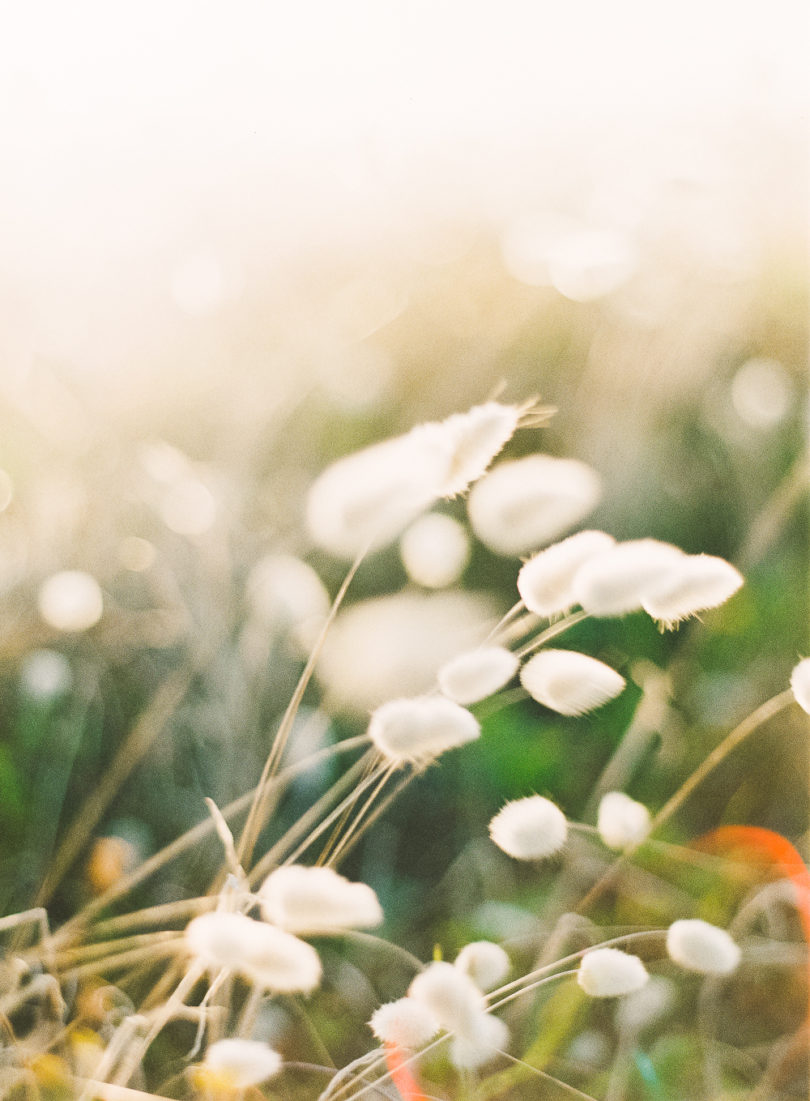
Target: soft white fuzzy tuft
{"x": 451, "y": 996}
{"x": 609, "y": 973}
{"x": 267, "y": 956}
{"x": 523, "y": 504}
{"x": 486, "y": 963}
{"x": 434, "y": 550}
{"x": 470, "y": 441}
{"x": 473, "y": 676}
{"x": 800, "y": 684}
{"x": 697, "y": 583}
{"x": 545, "y": 582}
{"x": 242, "y": 1063}
{"x": 699, "y": 946}
{"x": 418, "y": 730}
{"x": 311, "y": 900}
{"x": 481, "y": 1042}
{"x": 408, "y": 1023}
{"x": 569, "y": 682}
{"x": 529, "y": 829}
{"x": 616, "y": 582}
{"x": 622, "y": 821}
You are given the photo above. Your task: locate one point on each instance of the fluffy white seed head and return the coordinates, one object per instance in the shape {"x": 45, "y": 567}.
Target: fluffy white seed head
{"x": 622, "y": 821}
{"x": 418, "y": 730}
{"x": 407, "y": 1023}
{"x": 618, "y": 581}
{"x": 450, "y": 995}
{"x": 485, "y": 1037}
{"x": 569, "y": 682}
{"x": 311, "y": 900}
{"x": 71, "y": 601}
{"x": 434, "y": 550}
{"x": 545, "y": 582}
{"x": 800, "y": 684}
{"x": 477, "y": 674}
{"x": 525, "y": 503}
{"x": 267, "y": 956}
{"x": 529, "y": 829}
{"x": 371, "y": 496}
{"x": 699, "y": 946}
{"x": 470, "y": 441}
{"x": 609, "y": 973}
{"x": 486, "y": 963}
{"x": 697, "y": 582}
{"x": 239, "y": 1064}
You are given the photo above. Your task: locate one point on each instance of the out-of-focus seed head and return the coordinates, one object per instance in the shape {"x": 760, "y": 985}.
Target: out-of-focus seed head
{"x": 407, "y": 1023}
{"x": 435, "y": 549}
{"x": 451, "y": 996}
{"x": 698, "y": 946}
{"x": 523, "y": 504}
{"x": 646, "y": 1006}
{"x": 529, "y": 829}
{"x": 267, "y": 956}
{"x": 237, "y": 1064}
{"x": 616, "y": 582}
{"x": 71, "y": 601}
{"x": 286, "y": 595}
{"x": 473, "y": 676}
{"x": 621, "y": 821}
{"x": 484, "y": 1038}
{"x": 697, "y": 582}
{"x": 417, "y": 730}
{"x": 545, "y": 582}
{"x": 311, "y": 900}
{"x": 486, "y": 963}
{"x": 800, "y": 684}
{"x": 569, "y": 682}
{"x": 610, "y": 973}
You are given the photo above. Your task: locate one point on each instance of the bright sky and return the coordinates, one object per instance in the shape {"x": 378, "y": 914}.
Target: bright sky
{"x": 127, "y": 124}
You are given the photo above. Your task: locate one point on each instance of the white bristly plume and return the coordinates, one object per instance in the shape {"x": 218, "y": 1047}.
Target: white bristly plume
{"x": 698, "y": 946}
{"x": 523, "y": 504}
{"x": 268, "y": 957}
{"x": 529, "y": 829}
{"x": 477, "y": 674}
{"x": 368, "y": 498}
{"x": 800, "y": 684}
{"x": 545, "y": 582}
{"x": 621, "y": 821}
{"x": 616, "y": 582}
{"x": 312, "y": 900}
{"x": 242, "y": 1063}
{"x": 486, "y": 963}
{"x": 406, "y": 1023}
{"x": 609, "y": 973}
{"x": 698, "y": 582}
{"x": 417, "y": 730}
{"x": 569, "y": 682}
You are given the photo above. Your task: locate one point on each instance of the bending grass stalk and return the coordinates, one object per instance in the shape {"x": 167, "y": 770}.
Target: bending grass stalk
{"x": 551, "y": 632}
{"x": 336, "y": 848}
{"x": 191, "y": 838}
{"x": 255, "y": 819}
{"x": 752, "y": 722}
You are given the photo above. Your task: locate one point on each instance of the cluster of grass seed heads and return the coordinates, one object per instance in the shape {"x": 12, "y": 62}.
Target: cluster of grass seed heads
{"x": 406, "y": 1023}
{"x": 266, "y": 956}
{"x": 621, "y": 821}
{"x": 610, "y": 973}
{"x": 486, "y": 963}
{"x": 546, "y": 581}
{"x": 568, "y": 682}
{"x": 418, "y": 730}
{"x": 459, "y": 1006}
{"x": 533, "y": 828}
{"x": 317, "y": 900}
{"x": 476, "y": 674}
{"x": 698, "y": 946}
{"x": 435, "y": 550}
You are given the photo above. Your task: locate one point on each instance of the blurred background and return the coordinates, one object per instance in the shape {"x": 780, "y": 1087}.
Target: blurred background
{"x": 240, "y": 241}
